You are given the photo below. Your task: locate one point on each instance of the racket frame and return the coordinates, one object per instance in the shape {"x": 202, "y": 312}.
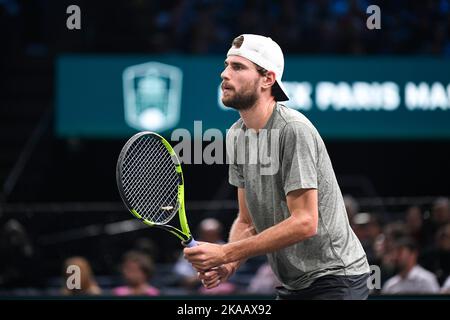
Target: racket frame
{"x": 184, "y": 234}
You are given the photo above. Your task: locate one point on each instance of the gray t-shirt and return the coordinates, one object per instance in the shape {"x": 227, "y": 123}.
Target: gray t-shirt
{"x": 299, "y": 160}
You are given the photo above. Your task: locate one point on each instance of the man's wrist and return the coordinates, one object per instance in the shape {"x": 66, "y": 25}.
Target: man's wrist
{"x": 233, "y": 266}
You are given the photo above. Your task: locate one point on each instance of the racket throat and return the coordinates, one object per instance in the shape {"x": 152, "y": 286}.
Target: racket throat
{"x": 178, "y": 233}
{"x": 190, "y": 243}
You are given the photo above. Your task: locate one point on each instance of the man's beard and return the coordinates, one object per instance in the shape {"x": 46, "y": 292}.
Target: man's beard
{"x": 243, "y": 100}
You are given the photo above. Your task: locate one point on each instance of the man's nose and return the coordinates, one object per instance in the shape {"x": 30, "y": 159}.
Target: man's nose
{"x": 224, "y": 75}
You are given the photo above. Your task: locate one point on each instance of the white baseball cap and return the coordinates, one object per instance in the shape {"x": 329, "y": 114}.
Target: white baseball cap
{"x": 267, "y": 54}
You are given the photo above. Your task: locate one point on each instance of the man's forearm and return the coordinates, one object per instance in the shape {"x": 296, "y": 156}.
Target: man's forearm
{"x": 240, "y": 230}
{"x": 284, "y": 234}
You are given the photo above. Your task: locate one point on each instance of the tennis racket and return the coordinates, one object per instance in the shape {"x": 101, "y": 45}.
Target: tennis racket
{"x": 151, "y": 184}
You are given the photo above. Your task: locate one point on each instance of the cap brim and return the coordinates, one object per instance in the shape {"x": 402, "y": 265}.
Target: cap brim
{"x": 282, "y": 94}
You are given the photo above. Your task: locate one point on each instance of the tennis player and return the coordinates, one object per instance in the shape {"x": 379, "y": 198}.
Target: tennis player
{"x": 294, "y": 214}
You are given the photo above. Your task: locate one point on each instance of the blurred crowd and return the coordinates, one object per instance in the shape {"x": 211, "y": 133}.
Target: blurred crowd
{"x": 409, "y": 253}
{"x": 208, "y": 27}
{"x": 412, "y": 253}
{"x": 138, "y": 270}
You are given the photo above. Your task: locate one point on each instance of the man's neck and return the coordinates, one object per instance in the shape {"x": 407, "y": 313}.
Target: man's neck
{"x": 257, "y": 116}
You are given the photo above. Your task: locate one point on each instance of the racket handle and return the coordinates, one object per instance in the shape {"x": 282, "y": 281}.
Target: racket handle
{"x": 190, "y": 243}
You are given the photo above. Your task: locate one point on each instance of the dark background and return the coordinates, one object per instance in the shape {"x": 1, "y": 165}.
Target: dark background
{"x": 52, "y": 185}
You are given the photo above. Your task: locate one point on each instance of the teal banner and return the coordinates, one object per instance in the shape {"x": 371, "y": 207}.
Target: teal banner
{"x": 346, "y": 98}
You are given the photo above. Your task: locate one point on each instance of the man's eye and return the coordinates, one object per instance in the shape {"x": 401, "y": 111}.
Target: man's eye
{"x": 237, "y": 67}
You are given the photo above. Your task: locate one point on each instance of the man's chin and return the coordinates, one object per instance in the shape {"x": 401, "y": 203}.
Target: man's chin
{"x": 227, "y": 103}
{"x": 238, "y": 103}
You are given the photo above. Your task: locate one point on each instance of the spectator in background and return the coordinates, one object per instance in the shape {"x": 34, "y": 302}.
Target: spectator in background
{"x": 264, "y": 281}
{"x": 88, "y": 285}
{"x": 145, "y": 246}
{"x": 414, "y": 223}
{"x": 137, "y": 270}
{"x": 384, "y": 248}
{"x": 437, "y": 258}
{"x": 446, "y": 287}
{"x": 441, "y": 211}
{"x": 211, "y": 230}
{"x": 440, "y": 215}
{"x": 367, "y": 228}
{"x": 411, "y": 278}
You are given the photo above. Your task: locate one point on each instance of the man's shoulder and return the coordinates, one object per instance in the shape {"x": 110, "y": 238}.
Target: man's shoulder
{"x": 292, "y": 123}
{"x": 234, "y": 131}
{"x": 290, "y": 118}
{"x": 238, "y": 124}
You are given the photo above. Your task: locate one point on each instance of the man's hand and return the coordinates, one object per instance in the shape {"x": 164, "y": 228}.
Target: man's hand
{"x": 205, "y": 256}
{"x": 212, "y": 278}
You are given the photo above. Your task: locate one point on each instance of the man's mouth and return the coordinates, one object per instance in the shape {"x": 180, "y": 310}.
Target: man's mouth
{"x": 226, "y": 87}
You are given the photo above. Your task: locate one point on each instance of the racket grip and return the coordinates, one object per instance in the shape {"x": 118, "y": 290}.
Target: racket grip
{"x": 190, "y": 243}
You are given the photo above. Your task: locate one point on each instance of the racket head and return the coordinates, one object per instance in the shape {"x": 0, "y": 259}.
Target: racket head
{"x": 149, "y": 178}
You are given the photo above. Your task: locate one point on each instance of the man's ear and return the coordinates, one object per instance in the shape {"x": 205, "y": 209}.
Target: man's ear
{"x": 268, "y": 79}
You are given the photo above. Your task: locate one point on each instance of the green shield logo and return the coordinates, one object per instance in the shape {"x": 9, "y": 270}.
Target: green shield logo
{"x": 152, "y": 96}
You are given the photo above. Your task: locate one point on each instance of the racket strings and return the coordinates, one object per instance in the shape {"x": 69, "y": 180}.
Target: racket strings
{"x": 136, "y": 169}
{"x": 170, "y": 197}
{"x": 150, "y": 181}
{"x": 150, "y": 205}
{"x": 133, "y": 163}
